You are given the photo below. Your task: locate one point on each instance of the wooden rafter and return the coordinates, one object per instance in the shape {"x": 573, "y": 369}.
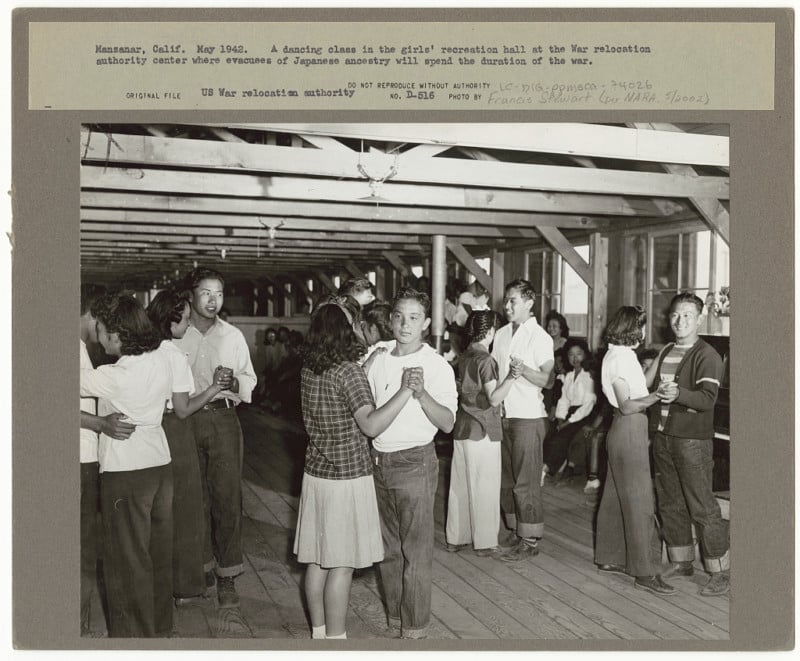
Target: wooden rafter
{"x": 466, "y": 258}
{"x": 570, "y": 255}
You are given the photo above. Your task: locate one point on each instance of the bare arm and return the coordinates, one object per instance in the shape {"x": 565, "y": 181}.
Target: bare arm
{"x": 111, "y": 425}
{"x": 544, "y": 377}
{"x": 628, "y": 406}
{"x": 184, "y": 405}
{"x": 374, "y": 422}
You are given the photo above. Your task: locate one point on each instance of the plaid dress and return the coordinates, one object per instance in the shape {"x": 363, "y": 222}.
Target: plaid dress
{"x": 337, "y": 522}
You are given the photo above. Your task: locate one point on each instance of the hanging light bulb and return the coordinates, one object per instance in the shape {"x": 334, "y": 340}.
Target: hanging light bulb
{"x": 272, "y": 233}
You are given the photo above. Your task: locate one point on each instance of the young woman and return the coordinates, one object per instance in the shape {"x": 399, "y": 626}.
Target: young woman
{"x": 473, "y": 509}
{"x": 556, "y": 326}
{"x": 627, "y": 508}
{"x": 136, "y": 476}
{"x": 169, "y": 313}
{"x": 338, "y": 529}
{"x": 575, "y": 404}
{"x": 376, "y": 330}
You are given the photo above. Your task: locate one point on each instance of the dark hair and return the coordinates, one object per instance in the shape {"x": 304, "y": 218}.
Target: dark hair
{"x": 554, "y": 314}
{"x": 354, "y": 286}
{"x": 647, "y": 354}
{"x": 165, "y": 309}
{"x": 625, "y": 327}
{"x": 378, "y": 313}
{"x": 454, "y": 288}
{"x": 581, "y": 344}
{"x": 331, "y": 339}
{"x": 477, "y": 289}
{"x": 687, "y": 297}
{"x": 89, "y": 294}
{"x": 124, "y": 315}
{"x": 525, "y": 288}
{"x": 478, "y": 325}
{"x": 194, "y": 277}
{"x": 420, "y": 296}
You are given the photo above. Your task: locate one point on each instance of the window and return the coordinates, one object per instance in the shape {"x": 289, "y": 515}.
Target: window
{"x": 417, "y": 271}
{"x": 559, "y": 287}
{"x": 692, "y": 261}
{"x": 575, "y": 296}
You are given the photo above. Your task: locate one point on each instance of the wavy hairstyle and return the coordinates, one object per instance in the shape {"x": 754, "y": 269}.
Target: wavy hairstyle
{"x": 625, "y": 327}
{"x": 331, "y": 339}
{"x": 196, "y": 276}
{"x": 562, "y": 322}
{"x": 378, "y": 313}
{"x": 165, "y": 309}
{"x": 419, "y": 296}
{"x": 478, "y": 325}
{"x": 123, "y": 314}
{"x": 687, "y": 297}
{"x": 524, "y": 287}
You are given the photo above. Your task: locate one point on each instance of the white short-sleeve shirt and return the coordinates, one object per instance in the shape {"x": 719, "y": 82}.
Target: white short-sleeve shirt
{"x": 138, "y": 387}
{"x": 621, "y": 363}
{"x": 411, "y": 427}
{"x": 534, "y": 346}
{"x": 182, "y": 379}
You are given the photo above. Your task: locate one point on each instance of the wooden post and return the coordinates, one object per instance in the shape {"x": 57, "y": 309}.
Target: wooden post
{"x": 439, "y": 275}
{"x": 498, "y": 279}
{"x": 598, "y": 302}
{"x": 380, "y": 282}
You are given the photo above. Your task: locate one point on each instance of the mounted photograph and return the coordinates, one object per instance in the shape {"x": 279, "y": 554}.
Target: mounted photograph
{"x": 442, "y": 381}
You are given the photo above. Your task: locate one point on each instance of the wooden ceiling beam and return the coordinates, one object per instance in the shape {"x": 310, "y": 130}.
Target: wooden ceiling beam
{"x": 286, "y": 210}
{"x": 464, "y": 256}
{"x": 204, "y": 154}
{"x": 570, "y": 255}
{"x": 592, "y": 140}
{"x": 311, "y": 189}
{"x": 192, "y": 211}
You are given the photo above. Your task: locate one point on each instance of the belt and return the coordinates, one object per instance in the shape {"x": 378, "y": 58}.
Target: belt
{"x": 220, "y": 404}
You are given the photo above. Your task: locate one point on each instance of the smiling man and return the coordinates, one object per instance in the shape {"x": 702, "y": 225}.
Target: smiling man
{"x": 524, "y": 417}
{"x": 208, "y": 343}
{"x": 689, "y": 372}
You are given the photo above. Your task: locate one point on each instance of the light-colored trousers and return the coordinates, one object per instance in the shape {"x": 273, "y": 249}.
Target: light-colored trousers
{"x": 473, "y": 508}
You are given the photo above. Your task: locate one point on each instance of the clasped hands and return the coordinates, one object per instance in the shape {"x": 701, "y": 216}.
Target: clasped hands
{"x": 223, "y": 377}
{"x": 414, "y": 378}
{"x": 667, "y": 391}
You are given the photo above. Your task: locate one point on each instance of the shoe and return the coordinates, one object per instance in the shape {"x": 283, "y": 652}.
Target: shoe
{"x": 592, "y": 487}
{"x": 454, "y": 548}
{"x": 653, "y": 584}
{"x": 521, "y": 551}
{"x": 612, "y": 569}
{"x": 678, "y": 569}
{"x": 717, "y": 585}
{"x": 226, "y": 592}
{"x": 211, "y": 582}
{"x": 491, "y": 552}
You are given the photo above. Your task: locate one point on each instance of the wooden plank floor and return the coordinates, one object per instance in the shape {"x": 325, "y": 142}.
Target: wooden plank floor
{"x": 557, "y": 595}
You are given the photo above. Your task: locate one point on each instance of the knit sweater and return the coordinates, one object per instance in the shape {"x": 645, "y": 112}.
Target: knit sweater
{"x": 698, "y": 377}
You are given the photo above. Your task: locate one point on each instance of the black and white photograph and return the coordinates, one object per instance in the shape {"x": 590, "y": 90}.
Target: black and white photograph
{"x": 438, "y": 381}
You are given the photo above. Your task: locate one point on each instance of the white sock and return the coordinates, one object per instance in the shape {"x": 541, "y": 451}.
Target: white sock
{"x": 318, "y": 632}
{"x": 341, "y": 636}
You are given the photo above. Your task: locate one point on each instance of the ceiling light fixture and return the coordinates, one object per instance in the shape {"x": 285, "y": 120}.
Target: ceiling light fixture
{"x": 376, "y": 182}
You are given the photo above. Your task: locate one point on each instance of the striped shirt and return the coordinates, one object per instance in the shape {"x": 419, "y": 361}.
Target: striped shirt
{"x": 669, "y": 366}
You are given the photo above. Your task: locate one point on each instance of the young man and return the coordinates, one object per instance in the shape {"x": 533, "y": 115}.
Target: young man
{"x": 210, "y": 342}
{"x": 406, "y": 469}
{"x": 524, "y": 417}
{"x": 689, "y": 371}
{"x": 92, "y": 425}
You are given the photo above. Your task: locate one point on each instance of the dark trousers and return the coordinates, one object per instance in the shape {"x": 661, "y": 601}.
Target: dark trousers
{"x": 218, "y": 436}
{"x": 626, "y": 522}
{"x": 90, "y": 508}
{"x": 557, "y": 445}
{"x": 188, "y": 518}
{"x": 683, "y": 468}
{"x": 520, "y": 490}
{"x": 137, "y": 558}
{"x": 405, "y": 485}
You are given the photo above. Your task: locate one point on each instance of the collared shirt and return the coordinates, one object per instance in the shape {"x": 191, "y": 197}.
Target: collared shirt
{"x": 476, "y": 418}
{"x": 137, "y": 387}
{"x": 89, "y": 438}
{"x": 222, "y": 344}
{"x": 621, "y": 363}
{"x": 182, "y": 379}
{"x": 534, "y": 346}
{"x": 411, "y": 428}
{"x": 337, "y": 448}
{"x": 578, "y": 391}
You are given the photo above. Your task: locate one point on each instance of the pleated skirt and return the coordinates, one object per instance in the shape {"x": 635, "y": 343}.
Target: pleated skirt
{"x": 338, "y": 523}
